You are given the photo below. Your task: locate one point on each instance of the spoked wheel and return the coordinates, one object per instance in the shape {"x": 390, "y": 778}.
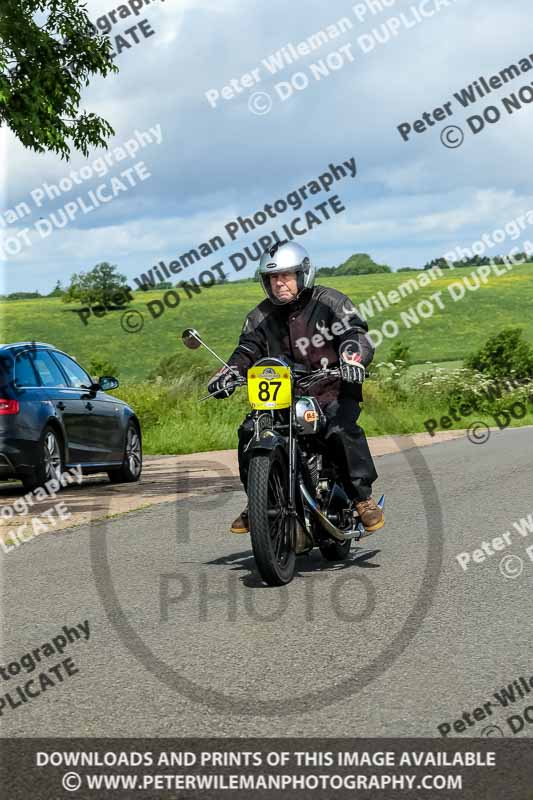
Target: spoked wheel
{"x": 269, "y": 521}
{"x": 51, "y": 456}
{"x": 133, "y": 458}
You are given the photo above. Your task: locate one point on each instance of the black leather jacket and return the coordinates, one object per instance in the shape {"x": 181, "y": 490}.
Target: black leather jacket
{"x": 309, "y": 331}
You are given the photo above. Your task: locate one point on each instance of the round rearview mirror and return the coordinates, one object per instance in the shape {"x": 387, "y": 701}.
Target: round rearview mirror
{"x": 191, "y": 338}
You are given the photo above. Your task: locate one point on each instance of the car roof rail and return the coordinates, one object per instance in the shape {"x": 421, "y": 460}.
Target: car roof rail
{"x": 35, "y": 344}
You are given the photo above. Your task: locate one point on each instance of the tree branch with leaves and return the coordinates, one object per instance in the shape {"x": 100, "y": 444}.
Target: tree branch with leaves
{"x": 49, "y": 51}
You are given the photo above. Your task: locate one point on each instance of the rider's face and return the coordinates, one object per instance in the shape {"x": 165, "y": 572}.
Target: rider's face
{"x": 284, "y": 286}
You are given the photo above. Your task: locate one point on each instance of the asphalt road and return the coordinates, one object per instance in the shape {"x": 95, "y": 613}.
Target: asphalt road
{"x": 186, "y": 640}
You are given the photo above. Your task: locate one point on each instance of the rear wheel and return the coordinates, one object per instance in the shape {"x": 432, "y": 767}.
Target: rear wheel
{"x": 50, "y": 461}
{"x": 131, "y": 468}
{"x": 269, "y": 521}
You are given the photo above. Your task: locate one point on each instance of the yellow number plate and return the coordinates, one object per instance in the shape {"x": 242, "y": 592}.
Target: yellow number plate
{"x": 269, "y": 387}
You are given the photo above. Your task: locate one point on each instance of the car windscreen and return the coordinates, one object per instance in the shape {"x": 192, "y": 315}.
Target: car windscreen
{"x": 77, "y": 377}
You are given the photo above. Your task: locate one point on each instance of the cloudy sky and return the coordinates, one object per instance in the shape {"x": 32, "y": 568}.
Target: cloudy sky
{"x": 410, "y": 202}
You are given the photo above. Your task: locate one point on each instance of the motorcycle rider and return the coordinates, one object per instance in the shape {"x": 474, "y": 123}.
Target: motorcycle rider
{"x": 317, "y": 327}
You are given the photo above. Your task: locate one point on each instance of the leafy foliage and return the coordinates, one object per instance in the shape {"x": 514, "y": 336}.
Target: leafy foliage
{"x": 102, "y": 285}
{"x": 57, "y": 291}
{"x": 399, "y": 352}
{"x": 504, "y": 355}
{"x": 474, "y": 261}
{"x": 483, "y": 394}
{"x": 357, "y": 264}
{"x": 23, "y": 296}
{"x": 99, "y": 366}
{"x": 48, "y": 51}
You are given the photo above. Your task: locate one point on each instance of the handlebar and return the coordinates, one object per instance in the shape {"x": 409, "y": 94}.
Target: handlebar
{"x": 320, "y": 372}
{"x": 301, "y": 376}
{"x": 309, "y": 378}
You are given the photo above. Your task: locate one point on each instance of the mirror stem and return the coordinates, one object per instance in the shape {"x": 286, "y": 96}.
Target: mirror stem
{"x": 231, "y": 369}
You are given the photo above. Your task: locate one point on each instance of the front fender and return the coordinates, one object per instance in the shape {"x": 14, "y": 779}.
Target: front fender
{"x": 268, "y": 440}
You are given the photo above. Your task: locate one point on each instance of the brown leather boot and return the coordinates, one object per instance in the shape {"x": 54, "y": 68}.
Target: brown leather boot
{"x": 241, "y": 524}
{"x": 371, "y": 514}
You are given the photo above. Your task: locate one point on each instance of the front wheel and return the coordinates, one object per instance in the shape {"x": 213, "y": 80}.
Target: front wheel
{"x": 269, "y": 521}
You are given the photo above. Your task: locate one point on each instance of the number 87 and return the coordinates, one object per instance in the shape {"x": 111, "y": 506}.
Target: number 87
{"x": 264, "y": 390}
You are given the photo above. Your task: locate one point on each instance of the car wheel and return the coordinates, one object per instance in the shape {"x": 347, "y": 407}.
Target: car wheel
{"x": 50, "y": 461}
{"x": 131, "y": 468}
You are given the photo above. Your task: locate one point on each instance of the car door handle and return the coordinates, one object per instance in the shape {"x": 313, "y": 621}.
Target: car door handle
{"x": 61, "y": 406}
{"x": 89, "y": 406}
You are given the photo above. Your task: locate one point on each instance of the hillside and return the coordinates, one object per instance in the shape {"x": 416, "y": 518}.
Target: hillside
{"x": 218, "y": 313}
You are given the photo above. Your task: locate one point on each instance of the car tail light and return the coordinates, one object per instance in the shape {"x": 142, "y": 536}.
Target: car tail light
{"x": 9, "y": 407}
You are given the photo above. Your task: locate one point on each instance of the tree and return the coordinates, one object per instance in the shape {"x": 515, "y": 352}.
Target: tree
{"x": 503, "y": 355}
{"x": 23, "y": 295}
{"x": 360, "y": 264}
{"x": 48, "y": 51}
{"x": 437, "y": 262}
{"x": 102, "y": 285}
{"x": 58, "y": 291}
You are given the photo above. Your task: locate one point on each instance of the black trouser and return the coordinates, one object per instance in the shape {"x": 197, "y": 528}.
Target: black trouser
{"x": 344, "y": 444}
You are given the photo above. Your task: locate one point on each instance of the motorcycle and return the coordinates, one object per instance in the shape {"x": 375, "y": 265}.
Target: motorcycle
{"x": 295, "y": 500}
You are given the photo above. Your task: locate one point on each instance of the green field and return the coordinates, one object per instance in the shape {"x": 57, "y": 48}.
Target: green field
{"x": 173, "y": 421}
{"x": 218, "y": 313}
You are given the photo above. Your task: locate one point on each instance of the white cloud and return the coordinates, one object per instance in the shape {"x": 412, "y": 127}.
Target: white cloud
{"x": 411, "y": 200}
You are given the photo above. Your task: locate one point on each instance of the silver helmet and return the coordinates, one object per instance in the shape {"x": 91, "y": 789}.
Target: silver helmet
{"x": 286, "y": 257}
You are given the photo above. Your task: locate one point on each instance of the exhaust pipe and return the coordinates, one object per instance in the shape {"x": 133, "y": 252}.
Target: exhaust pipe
{"x": 329, "y": 526}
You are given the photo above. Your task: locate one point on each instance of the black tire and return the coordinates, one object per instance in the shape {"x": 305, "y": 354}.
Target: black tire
{"x": 335, "y": 551}
{"x": 131, "y": 468}
{"x": 50, "y": 462}
{"x": 267, "y": 489}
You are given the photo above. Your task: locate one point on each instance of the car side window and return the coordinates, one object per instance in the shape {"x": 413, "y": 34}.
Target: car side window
{"x": 77, "y": 376}
{"x": 25, "y": 373}
{"x": 47, "y": 369}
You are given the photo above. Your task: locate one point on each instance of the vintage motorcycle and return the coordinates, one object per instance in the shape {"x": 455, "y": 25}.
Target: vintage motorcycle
{"x": 295, "y": 502}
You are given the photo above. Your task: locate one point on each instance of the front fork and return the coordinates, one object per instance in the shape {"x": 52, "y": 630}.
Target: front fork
{"x": 291, "y": 510}
{"x": 292, "y": 513}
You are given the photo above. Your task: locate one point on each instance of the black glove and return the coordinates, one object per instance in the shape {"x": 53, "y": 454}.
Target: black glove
{"x": 218, "y": 387}
{"x": 352, "y": 373}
